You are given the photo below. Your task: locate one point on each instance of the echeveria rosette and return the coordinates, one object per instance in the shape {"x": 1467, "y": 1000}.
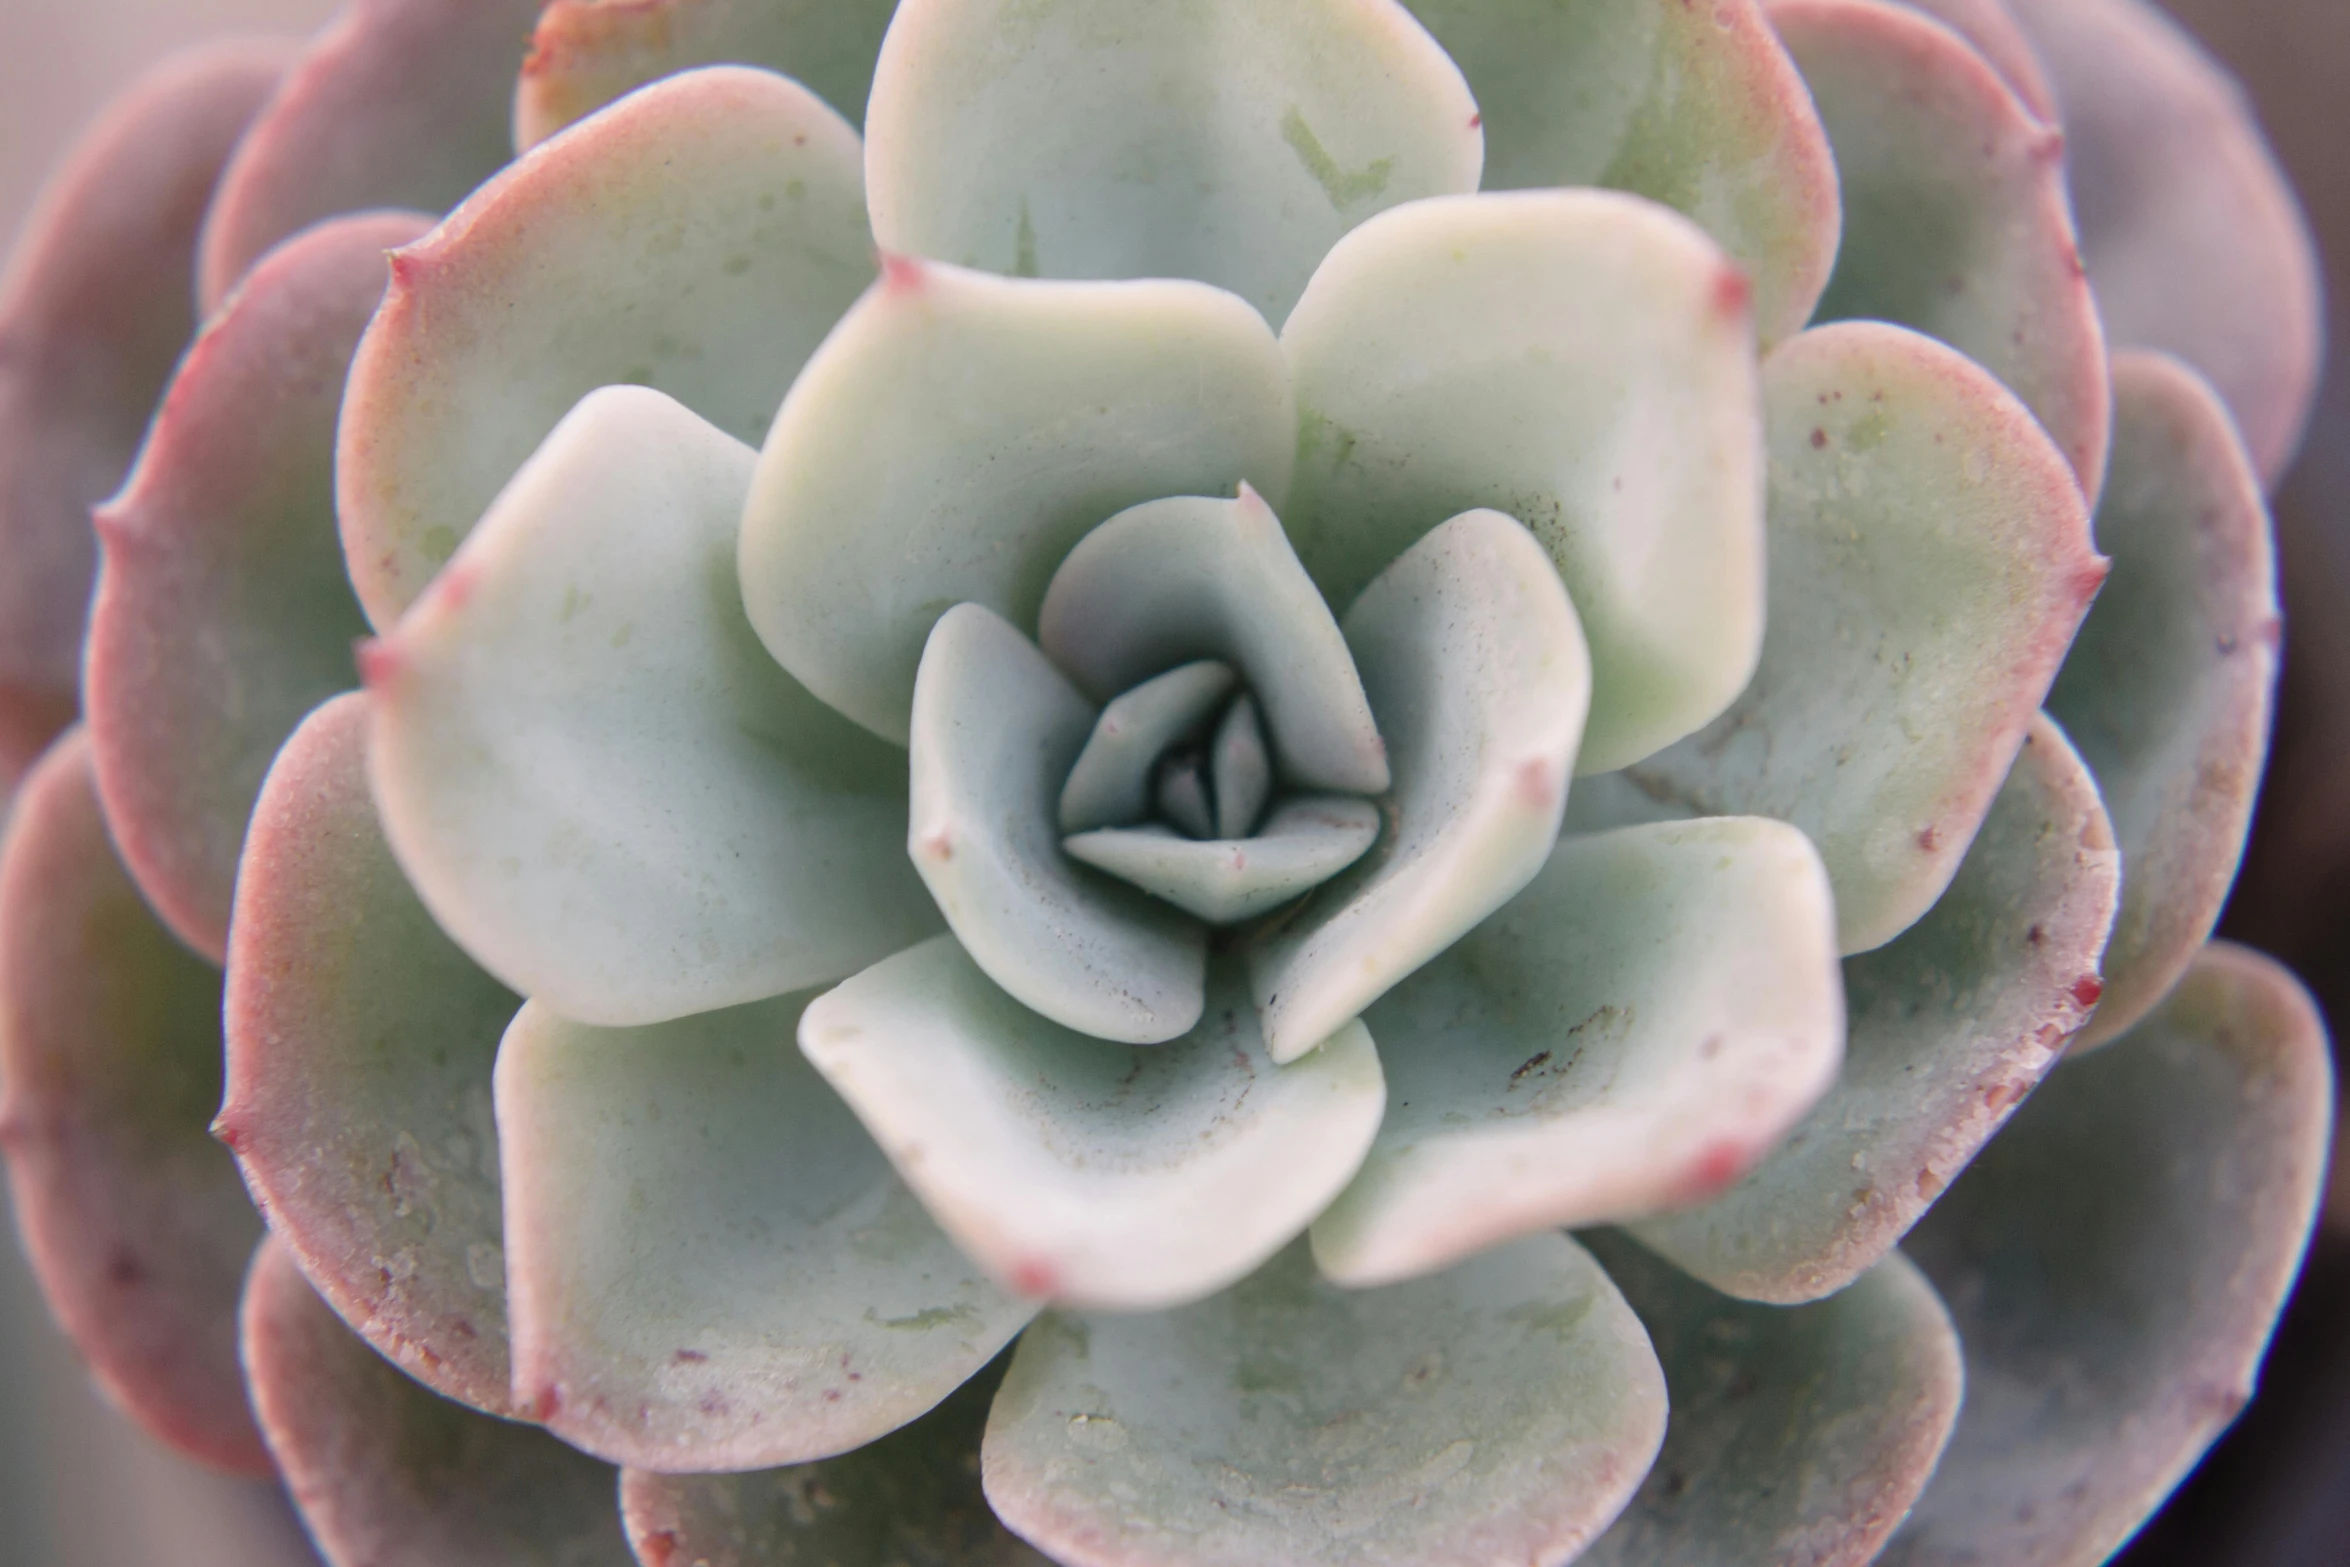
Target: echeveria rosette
{"x": 1303, "y": 491}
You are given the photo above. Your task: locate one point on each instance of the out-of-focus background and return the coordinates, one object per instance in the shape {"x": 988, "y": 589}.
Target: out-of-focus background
{"x": 2274, "y": 1493}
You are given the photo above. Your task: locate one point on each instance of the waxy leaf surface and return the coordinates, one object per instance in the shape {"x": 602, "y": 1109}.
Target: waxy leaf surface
{"x": 223, "y": 611}
{"x": 1956, "y": 220}
{"x": 996, "y": 729}
{"x": 1304, "y": 843}
{"x": 2192, "y": 236}
{"x": 1193, "y": 577}
{"x": 960, "y": 432}
{"x": 360, "y": 1041}
{"x": 1500, "y": 1412}
{"x": 1630, "y": 1033}
{"x": 94, "y": 310}
{"x": 712, "y": 1266}
{"x": 397, "y": 103}
{"x": 2115, "y": 1261}
{"x": 1697, "y": 107}
{"x": 1930, "y": 562}
{"x": 387, "y": 1475}
{"x": 700, "y": 239}
{"x": 600, "y": 783}
{"x": 1094, "y": 1174}
{"x": 1798, "y": 1436}
{"x": 1225, "y": 140}
{"x": 911, "y": 1499}
{"x": 1951, "y": 1024}
{"x": 133, "y": 1218}
{"x": 588, "y": 52}
{"x": 1109, "y": 785}
{"x": 1582, "y": 361}
{"x": 1477, "y": 672}
{"x": 2167, "y": 691}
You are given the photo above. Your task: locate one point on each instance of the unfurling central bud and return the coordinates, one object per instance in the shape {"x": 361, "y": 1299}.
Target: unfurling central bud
{"x": 1173, "y": 786}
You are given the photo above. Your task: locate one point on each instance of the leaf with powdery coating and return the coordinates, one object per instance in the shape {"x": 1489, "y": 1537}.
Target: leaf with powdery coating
{"x": 701, "y": 238}
{"x": 1194, "y": 577}
{"x": 1307, "y": 840}
{"x": 1477, "y": 672}
{"x": 1582, "y": 361}
{"x": 712, "y": 1266}
{"x": 134, "y": 1219}
{"x": 386, "y": 1474}
{"x": 1799, "y": 1437}
{"x": 223, "y": 612}
{"x": 94, "y": 310}
{"x": 1501, "y": 1412}
{"x": 1990, "y": 26}
{"x": 996, "y": 726}
{"x": 959, "y": 433}
{"x": 588, "y": 52}
{"x": 1956, "y": 220}
{"x": 1696, "y": 107}
{"x": 398, "y": 103}
{"x": 911, "y": 1499}
{"x": 1629, "y": 1033}
{"x": 1930, "y": 562}
{"x": 2192, "y": 235}
{"x": 1951, "y": 1024}
{"x": 2167, "y": 690}
{"x": 1226, "y": 140}
{"x": 599, "y": 782}
{"x": 2115, "y": 1262}
{"x": 360, "y": 1041}
{"x": 1111, "y": 1177}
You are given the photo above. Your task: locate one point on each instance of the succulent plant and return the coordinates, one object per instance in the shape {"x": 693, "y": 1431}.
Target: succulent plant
{"x": 1361, "y": 635}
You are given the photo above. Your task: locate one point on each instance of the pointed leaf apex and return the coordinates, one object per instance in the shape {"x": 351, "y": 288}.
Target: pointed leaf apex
{"x": 380, "y": 663}
{"x": 1733, "y": 295}
{"x": 901, "y": 275}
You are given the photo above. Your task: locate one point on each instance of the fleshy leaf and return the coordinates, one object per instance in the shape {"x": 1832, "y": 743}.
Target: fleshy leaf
{"x": 359, "y": 1049}
{"x": 2115, "y": 1262}
{"x": 1225, "y": 140}
{"x": 388, "y": 1475}
{"x": 1477, "y": 673}
{"x": 959, "y": 433}
{"x": 911, "y": 1499}
{"x": 1110, "y": 783}
{"x": 223, "y": 612}
{"x": 1930, "y": 561}
{"x": 1990, "y": 26}
{"x": 94, "y": 310}
{"x": 1582, "y": 361}
{"x": 1501, "y": 1412}
{"x": 588, "y": 52}
{"x": 1304, "y": 843}
{"x": 712, "y": 1267}
{"x": 1956, "y": 220}
{"x": 133, "y": 1218}
{"x": 1695, "y": 107}
{"x": 995, "y": 728}
{"x": 1797, "y": 1436}
{"x": 1630, "y": 1033}
{"x": 1191, "y": 577}
{"x": 1243, "y": 769}
{"x": 701, "y": 238}
{"x": 598, "y": 780}
{"x": 2193, "y": 239}
{"x": 398, "y": 103}
{"x": 2167, "y": 690}
{"x": 1950, "y": 1026}
{"x": 1085, "y": 1172}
